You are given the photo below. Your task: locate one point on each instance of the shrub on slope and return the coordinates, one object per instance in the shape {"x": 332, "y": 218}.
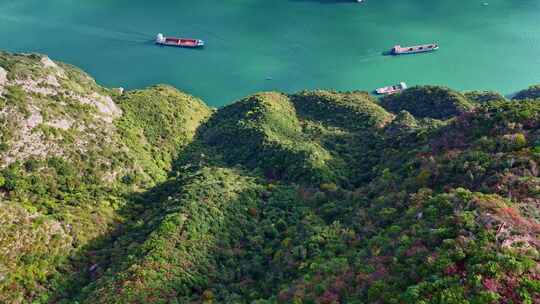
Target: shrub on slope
{"x": 352, "y": 111}
{"x": 157, "y": 123}
{"x": 69, "y": 155}
{"x": 400, "y": 243}
{"x": 29, "y": 244}
{"x": 428, "y": 101}
{"x": 263, "y": 131}
{"x": 210, "y": 209}
{"x": 415, "y": 245}
{"x": 423, "y": 249}
{"x": 60, "y": 166}
{"x": 532, "y": 92}
{"x": 346, "y": 125}
{"x": 480, "y": 97}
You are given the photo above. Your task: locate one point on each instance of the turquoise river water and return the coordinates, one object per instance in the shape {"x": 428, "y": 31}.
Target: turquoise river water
{"x": 285, "y": 45}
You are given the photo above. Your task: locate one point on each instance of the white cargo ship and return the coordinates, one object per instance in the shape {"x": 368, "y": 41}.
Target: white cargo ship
{"x": 399, "y": 50}
{"x": 392, "y": 89}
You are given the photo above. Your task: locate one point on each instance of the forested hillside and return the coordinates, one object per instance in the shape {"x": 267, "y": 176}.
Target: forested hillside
{"x": 150, "y": 196}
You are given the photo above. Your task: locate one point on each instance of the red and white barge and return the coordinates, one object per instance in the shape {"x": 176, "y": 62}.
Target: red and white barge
{"x": 179, "y": 42}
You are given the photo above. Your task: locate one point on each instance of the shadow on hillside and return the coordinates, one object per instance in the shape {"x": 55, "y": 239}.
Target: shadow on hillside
{"x": 348, "y": 137}
{"x": 222, "y": 142}
{"x": 348, "y": 111}
{"x": 113, "y": 253}
{"x": 96, "y": 258}
{"x": 511, "y": 95}
{"x": 205, "y": 234}
{"x": 109, "y": 255}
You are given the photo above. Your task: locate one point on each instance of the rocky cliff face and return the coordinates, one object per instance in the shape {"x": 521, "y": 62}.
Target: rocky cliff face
{"x": 45, "y": 104}
{"x": 149, "y": 196}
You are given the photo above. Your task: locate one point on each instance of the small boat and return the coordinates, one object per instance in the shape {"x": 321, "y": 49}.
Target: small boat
{"x": 392, "y": 89}
{"x": 179, "y": 42}
{"x": 399, "y": 50}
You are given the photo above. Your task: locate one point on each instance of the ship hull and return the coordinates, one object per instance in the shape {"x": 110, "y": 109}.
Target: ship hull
{"x": 389, "y": 90}
{"x": 192, "y": 46}
{"x": 427, "y": 48}
{"x": 180, "y": 42}
{"x": 181, "y": 46}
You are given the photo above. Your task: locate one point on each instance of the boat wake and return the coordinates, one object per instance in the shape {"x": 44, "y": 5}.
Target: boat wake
{"x": 119, "y": 34}
{"x": 369, "y": 56}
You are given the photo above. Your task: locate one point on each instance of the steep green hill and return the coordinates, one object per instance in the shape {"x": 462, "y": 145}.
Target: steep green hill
{"x": 263, "y": 132}
{"x": 532, "y": 92}
{"x": 157, "y": 124}
{"x": 148, "y": 196}
{"x": 352, "y": 111}
{"x": 484, "y": 96}
{"x": 69, "y": 155}
{"x": 429, "y": 101}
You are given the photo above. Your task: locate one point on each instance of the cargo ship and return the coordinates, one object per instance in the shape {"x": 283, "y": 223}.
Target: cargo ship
{"x": 399, "y": 50}
{"x": 179, "y": 42}
{"x": 391, "y": 89}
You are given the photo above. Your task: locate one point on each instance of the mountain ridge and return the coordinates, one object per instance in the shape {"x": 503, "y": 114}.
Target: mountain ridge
{"x": 150, "y": 196}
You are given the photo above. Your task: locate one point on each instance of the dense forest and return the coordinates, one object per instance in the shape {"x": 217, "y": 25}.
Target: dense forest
{"x": 150, "y": 196}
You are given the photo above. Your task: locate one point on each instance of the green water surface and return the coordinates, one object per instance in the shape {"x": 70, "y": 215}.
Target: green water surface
{"x": 285, "y": 45}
